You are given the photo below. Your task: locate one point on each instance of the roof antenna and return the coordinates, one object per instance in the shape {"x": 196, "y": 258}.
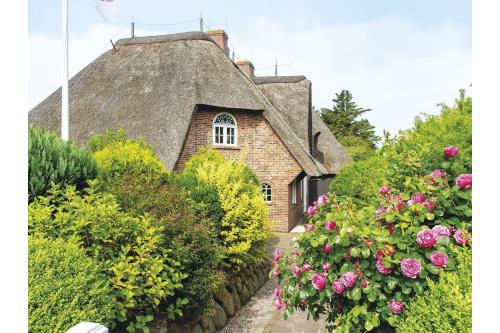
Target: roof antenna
{"x": 201, "y": 21}
{"x": 276, "y": 68}
{"x": 114, "y": 48}
{"x": 132, "y": 28}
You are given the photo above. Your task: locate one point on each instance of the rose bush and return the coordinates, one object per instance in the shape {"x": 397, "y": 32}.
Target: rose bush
{"x": 364, "y": 266}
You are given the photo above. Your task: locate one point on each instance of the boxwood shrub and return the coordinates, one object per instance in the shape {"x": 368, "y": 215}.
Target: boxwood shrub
{"x": 52, "y": 160}
{"x": 65, "y": 287}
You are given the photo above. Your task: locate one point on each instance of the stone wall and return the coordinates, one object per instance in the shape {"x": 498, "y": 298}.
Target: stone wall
{"x": 238, "y": 290}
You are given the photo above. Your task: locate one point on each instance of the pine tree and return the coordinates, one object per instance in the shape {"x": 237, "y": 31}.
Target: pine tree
{"x": 358, "y": 135}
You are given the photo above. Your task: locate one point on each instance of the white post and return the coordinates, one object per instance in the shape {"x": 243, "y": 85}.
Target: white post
{"x": 304, "y": 196}
{"x": 64, "y": 85}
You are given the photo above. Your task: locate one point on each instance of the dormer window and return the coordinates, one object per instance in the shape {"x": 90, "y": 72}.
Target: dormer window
{"x": 225, "y": 130}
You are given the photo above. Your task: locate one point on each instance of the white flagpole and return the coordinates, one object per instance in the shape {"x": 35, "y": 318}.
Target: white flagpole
{"x": 64, "y": 86}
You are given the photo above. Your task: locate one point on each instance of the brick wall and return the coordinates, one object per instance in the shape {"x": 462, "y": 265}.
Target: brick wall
{"x": 265, "y": 154}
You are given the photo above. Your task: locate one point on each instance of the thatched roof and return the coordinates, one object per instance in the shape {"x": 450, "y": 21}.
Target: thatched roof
{"x": 291, "y": 95}
{"x": 150, "y": 87}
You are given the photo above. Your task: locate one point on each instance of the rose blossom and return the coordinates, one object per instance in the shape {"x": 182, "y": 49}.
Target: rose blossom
{"x": 277, "y": 254}
{"x": 277, "y": 272}
{"x": 380, "y": 211}
{"x": 326, "y": 267}
{"x": 439, "y": 259}
{"x": 296, "y": 270}
{"x": 429, "y": 204}
{"x": 278, "y": 304}
{"x": 309, "y": 227}
{"x": 460, "y": 237}
{"x": 410, "y": 267}
{"x": 356, "y": 265}
{"x": 438, "y": 173}
{"x": 327, "y": 248}
{"x": 306, "y": 267}
{"x": 390, "y": 228}
{"x": 418, "y": 197}
{"x": 322, "y": 200}
{"x": 297, "y": 253}
{"x": 426, "y": 238}
{"x": 378, "y": 255}
{"x": 330, "y": 225}
{"x": 318, "y": 281}
{"x": 384, "y": 189}
{"x": 396, "y": 307}
{"x": 382, "y": 269}
{"x": 450, "y": 151}
{"x": 464, "y": 181}
{"x": 311, "y": 210}
{"x": 277, "y": 292}
{"x": 364, "y": 284}
{"x": 348, "y": 279}
{"x": 441, "y": 230}
{"x": 337, "y": 287}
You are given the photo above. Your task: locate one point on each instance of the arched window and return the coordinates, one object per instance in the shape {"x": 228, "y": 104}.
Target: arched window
{"x": 225, "y": 130}
{"x": 267, "y": 192}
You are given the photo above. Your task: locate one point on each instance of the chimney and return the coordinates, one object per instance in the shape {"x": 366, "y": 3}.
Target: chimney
{"x": 220, "y": 38}
{"x": 247, "y": 67}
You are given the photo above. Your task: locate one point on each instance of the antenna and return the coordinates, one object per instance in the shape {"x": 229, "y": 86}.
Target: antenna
{"x": 276, "y": 68}
{"x": 201, "y": 22}
{"x": 132, "y": 28}
{"x": 114, "y": 48}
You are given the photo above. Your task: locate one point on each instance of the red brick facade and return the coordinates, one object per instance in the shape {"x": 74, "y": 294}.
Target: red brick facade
{"x": 266, "y": 155}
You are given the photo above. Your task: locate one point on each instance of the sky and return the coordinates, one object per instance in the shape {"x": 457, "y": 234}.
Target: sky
{"x": 398, "y": 58}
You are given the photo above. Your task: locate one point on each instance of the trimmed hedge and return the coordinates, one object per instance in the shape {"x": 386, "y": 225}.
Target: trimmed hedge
{"x": 52, "y": 160}
{"x": 65, "y": 287}
{"x": 447, "y": 305}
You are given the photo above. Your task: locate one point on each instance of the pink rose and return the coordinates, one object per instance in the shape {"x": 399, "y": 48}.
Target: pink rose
{"x": 382, "y": 269}
{"x": 318, "y": 281}
{"x": 277, "y": 272}
{"x": 348, "y": 279}
{"x": 410, "y": 267}
{"x": 460, "y": 237}
{"x": 438, "y": 173}
{"x": 296, "y": 270}
{"x": 327, "y": 248}
{"x": 450, "y": 151}
{"x": 337, "y": 287}
{"x": 439, "y": 259}
{"x": 309, "y": 227}
{"x": 378, "y": 255}
{"x": 429, "y": 204}
{"x": 330, "y": 225}
{"x": 322, "y": 200}
{"x": 441, "y": 230}
{"x": 379, "y": 212}
{"x": 364, "y": 284}
{"x": 311, "y": 210}
{"x": 464, "y": 181}
{"x": 277, "y": 292}
{"x": 306, "y": 267}
{"x": 297, "y": 253}
{"x": 384, "y": 189}
{"x": 418, "y": 197}
{"x": 277, "y": 254}
{"x": 278, "y": 304}
{"x": 396, "y": 307}
{"x": 326, "y": 267}
{"x": 427, "y": 238}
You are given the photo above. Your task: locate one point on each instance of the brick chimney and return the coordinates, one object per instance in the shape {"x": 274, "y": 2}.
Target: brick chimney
{"x": 247, "y": 67}
{"x": 220, "y": 38}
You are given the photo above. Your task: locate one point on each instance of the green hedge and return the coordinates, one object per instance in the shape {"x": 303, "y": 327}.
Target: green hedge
{"x": 65, "y": 287}
{"x": 447, "y": 305}
{"x": 136, "y": 177}
{"x": 52, "y": 160}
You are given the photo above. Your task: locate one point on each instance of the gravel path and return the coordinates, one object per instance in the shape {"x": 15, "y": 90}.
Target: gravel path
{"x": 259, "y": 315}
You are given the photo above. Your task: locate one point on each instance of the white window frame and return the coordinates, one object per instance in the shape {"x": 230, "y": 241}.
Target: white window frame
{"x": 225, "y": 128}
{"x": 294, "y": 192}
{"x": 267, "y": 191}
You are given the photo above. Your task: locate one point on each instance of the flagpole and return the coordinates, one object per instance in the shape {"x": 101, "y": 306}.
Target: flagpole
{"x": 64, "y": 85}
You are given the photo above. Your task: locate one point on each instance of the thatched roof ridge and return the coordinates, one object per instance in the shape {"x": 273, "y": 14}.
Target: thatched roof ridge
{"x": 291, "y": 95}
{"x": 278, "y": 79}
{"x": 150, "y": 87}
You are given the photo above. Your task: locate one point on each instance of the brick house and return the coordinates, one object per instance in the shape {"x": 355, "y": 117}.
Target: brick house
{"x": 183, "y": 91}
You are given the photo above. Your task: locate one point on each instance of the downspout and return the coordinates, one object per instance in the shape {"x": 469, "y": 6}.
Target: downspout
{"x": 304, "y": 195}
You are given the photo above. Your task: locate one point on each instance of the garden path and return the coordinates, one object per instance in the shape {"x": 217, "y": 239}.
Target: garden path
{"x": 259, "y": 315}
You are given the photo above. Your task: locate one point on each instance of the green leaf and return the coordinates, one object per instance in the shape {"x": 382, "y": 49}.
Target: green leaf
{"x": 443, "y": 240}
{"x": 365, "y": 252}
{"x": 429, "y": 216}
{"x": 432, "y": 269}
{"x": 356, "y": 294}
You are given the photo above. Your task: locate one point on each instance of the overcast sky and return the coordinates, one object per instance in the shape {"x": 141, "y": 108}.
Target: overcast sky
{"x": 399, "y": 58}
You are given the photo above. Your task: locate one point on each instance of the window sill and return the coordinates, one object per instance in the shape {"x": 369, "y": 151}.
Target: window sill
{"x": 225, "y": 147}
